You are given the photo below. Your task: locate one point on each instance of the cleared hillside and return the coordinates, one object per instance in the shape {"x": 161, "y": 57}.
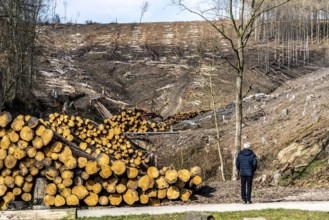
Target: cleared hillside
{"x": 164, "y": 67}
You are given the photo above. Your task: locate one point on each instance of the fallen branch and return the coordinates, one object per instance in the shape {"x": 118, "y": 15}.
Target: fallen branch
{"x": 116, "y": 101}
{"x": 105, "y": 113}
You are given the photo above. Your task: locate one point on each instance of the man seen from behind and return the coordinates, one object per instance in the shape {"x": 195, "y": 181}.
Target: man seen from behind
{"x": 246, "y": 164}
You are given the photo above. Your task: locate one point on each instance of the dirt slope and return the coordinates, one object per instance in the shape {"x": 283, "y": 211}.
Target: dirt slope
{"x": 163, "y": 67}
{"x": 295, "y": 114}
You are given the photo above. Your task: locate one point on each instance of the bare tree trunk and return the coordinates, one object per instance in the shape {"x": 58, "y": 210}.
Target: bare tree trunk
{"x": 318, "y": 23}
{"x": 238, "y": 125}
{"x": 238, "y": 107}
{"x": 238, "y": 92}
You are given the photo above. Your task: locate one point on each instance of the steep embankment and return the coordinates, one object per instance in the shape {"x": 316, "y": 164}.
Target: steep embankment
{"x": 287, "y": 128}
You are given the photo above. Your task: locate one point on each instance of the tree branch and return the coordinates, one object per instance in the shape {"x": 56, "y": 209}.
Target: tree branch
{"x": 231, "y": 64}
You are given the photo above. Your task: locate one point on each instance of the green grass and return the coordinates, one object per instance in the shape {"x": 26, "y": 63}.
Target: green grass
{"x": 268, "y": 214}
{"x": 274, "y": 214}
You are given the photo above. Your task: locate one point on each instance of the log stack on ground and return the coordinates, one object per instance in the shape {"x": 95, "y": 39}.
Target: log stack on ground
{"x": 29, "y": 150}
{"x": 107, "y": 137}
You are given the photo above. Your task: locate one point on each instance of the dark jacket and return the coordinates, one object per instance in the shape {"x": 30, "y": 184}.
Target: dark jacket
{"x": 246, "y": 162}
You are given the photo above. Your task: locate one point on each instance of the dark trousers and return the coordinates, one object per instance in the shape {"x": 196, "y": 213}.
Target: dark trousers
{"x": 246, "y": 186}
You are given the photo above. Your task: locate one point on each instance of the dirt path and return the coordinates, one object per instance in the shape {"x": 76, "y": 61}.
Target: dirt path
{"x": 98, "y": 212}
{"x": 229, "y": 192}
{"x": 175, "y": 102}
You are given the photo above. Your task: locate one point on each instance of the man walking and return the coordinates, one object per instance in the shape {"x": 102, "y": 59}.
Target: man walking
{"x": 246, "y": 164}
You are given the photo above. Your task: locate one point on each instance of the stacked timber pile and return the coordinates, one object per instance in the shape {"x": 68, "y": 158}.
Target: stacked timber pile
{"x": 107, "y": 137}
{"x": 75, "y": 175}
{"x": 180, "y": 116}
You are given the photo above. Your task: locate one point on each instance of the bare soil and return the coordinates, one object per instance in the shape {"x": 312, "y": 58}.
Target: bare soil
{"x": 229, "y": 192}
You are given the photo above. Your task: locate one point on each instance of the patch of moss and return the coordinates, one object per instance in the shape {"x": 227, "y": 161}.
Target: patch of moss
{"x": 308, "y": 173}
{"x": 314, "y": 167}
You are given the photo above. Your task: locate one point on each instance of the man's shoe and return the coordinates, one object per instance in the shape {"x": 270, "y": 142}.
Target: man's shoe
{"x": 245, "y": 202}
{"x": 249, "y": 202}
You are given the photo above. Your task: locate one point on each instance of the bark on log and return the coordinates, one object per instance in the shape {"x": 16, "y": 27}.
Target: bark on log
{"x": 5, "y": 119}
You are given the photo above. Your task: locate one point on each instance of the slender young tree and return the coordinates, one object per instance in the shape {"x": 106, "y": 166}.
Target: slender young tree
{"x": 235, "y": 21}
{"x": 65, "y": 4}
{"x": 145, "y": 6}
{"x": 219, "y": 149}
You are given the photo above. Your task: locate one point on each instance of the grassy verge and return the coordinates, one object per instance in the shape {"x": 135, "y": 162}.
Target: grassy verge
{"x": 274, "y": 214}
{"x": 268, "y": 214}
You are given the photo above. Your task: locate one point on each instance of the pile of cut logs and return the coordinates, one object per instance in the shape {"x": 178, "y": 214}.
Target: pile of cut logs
{"x": 180, "y": 116}
{"x": 107, "y": 137}
{"x": 84, "y": 163}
